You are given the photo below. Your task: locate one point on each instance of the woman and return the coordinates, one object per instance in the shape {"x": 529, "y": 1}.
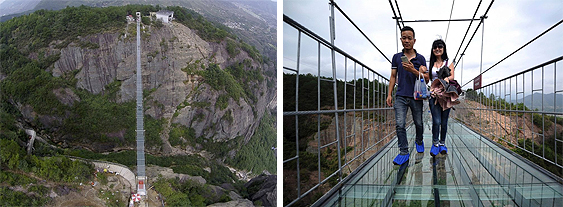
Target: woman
{"x": 438, "y": 59}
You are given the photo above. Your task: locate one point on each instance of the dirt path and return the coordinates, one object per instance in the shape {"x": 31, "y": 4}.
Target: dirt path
{"x": 123, "y": 171}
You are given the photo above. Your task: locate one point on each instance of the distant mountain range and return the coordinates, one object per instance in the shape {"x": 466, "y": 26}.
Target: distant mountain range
{"x": 550, "y": 102}
{"x": 8, "y": 7}
{"x": 254, "y": 21}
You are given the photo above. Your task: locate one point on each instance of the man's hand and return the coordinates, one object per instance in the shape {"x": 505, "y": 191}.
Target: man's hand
{"x": 408, "y": 66}
{"x": 389, "y": 100}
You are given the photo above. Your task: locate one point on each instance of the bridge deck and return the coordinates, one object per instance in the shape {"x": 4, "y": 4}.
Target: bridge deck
{"x": 475, "y": 172}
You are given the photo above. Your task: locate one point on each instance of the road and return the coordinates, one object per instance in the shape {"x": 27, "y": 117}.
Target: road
{"x": 123, "y": 170}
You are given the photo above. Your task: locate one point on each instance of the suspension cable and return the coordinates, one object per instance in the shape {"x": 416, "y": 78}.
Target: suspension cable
{"x": 480, "y": 22}
{"x": 350, "y": 20}
{"x": 394, "y": 14}
{"x": 447, "y": 30}
{"x": 396, "y": 22}
{"x": 557, "y": 24}
{"x": 398, "y": 10}
{"x": 469, "y": 27}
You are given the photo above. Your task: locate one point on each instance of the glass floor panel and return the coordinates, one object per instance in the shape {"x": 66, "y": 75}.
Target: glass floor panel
{"x": 474, "y": 172}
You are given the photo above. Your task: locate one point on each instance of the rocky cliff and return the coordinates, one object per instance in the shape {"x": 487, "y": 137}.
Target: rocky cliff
{"x": 263, "y": 189}
{"x": 170, "y": 92}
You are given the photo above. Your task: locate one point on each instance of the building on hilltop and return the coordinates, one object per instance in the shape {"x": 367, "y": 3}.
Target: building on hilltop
{"x": 130, "y": 18}
{"x": 165, "y": 16}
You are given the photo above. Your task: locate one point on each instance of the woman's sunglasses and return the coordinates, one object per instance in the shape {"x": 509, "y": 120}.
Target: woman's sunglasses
{"x": 438, "y": 46}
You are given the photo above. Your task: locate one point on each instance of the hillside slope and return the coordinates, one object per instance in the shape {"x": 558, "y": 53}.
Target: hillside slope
{"x": 253, "y": 21}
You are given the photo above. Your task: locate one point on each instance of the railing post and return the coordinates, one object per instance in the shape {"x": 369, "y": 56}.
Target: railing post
{"x": 481, "y": 97}
{"x": 296, "y": 116}
{"x": 332, "y": 38}
{"x": 319, "y": 147}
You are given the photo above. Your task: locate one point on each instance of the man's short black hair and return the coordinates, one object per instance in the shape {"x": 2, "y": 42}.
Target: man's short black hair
{"x": 407, "y": 28}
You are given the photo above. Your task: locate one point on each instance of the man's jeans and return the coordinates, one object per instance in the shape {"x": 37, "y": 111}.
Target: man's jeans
{"x": 402, "y": 103}
{"x": 439, "y": 122}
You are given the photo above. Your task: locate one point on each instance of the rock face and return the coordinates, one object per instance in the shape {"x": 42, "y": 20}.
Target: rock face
{"x": 165, "y": 52}
{"x": 267, "y": 189}
{"x": 154, "y": 171}
{"x": 235, "y": 203}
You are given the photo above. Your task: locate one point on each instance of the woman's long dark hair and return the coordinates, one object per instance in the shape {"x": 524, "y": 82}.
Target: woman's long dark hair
{"x": 433, "y": 57}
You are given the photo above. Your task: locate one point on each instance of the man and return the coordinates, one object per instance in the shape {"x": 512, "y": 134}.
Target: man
{"x": 405, "y": 74}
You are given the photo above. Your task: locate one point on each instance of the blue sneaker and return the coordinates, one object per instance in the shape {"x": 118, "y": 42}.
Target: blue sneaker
{"x": 443, "y": 149}
{"x": 401, "y": 159}
{"x": 434, "y": 150}
{"x": 420, "y": 147}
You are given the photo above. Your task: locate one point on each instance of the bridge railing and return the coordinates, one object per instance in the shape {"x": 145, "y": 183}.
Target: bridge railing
{"x": 523, "y": 112}
{"x": 334, "y": 115}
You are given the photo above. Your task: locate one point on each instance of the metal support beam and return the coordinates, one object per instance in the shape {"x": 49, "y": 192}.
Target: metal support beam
{"x": 332, "y": 53}
{"x": 440, "y": 20}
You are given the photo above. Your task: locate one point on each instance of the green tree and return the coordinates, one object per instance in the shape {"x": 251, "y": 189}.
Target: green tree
{"x": 146, "y": 20}
{"x": 11, "y": 153}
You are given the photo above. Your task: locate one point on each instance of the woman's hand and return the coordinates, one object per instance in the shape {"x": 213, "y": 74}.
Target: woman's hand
{"x": 423, "y": 69}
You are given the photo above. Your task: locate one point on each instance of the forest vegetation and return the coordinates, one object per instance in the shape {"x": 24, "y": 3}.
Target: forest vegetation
{"x": 308, "y": 100}
{"x": 547, "y": 125}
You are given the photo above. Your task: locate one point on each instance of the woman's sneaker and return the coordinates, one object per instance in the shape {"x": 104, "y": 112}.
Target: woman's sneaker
{"x": 434, "y": 150}
{"x": 443, "y": 149}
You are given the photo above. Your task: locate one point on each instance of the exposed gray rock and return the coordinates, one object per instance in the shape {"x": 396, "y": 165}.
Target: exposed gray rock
{"x": 234, "y": 196}
{"x": 153, "y": 172}
{"x": 216, "y": 192}
{"x": 267, "y": 191}
{"x": 227, "y": 186}
{"x": 235, "y": 203}
{"x": 66, "y": 96}
{"x": 27, "y": 112}
{"x": 50, "y": 121}
{"x": 164, "y": 53}
{"x": 127, "y": 91}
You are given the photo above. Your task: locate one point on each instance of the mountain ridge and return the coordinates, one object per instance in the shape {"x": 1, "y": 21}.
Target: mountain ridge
{"x": 550, "y": 102}
{"x": 259, "y": 32}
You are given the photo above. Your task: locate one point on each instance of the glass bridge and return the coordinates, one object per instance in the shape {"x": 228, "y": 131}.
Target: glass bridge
{"x": 339, "y": 134}
{"x": 475, "y": 172}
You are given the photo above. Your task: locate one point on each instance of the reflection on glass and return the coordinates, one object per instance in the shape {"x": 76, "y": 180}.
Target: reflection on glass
{"x": 475, "y": 172}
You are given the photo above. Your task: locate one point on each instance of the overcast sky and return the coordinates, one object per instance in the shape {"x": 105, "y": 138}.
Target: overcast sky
{"x": 510, "y": 25}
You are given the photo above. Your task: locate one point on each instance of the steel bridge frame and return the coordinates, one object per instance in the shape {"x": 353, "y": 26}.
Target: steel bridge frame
{"x": 502, "y": 101}
{"x": 356, "y": 132}
{"x": 378, "y": 139}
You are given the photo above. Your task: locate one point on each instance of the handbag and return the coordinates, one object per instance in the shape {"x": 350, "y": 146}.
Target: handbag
{"x": 456, "y": 85}
{"x": 420, "y": 91}
{"x": 445, "y": 72}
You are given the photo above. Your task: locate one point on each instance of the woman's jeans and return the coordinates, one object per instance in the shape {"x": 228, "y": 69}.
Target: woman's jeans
{"x": 439, "y": 122}
{"x": 402, "y": 103}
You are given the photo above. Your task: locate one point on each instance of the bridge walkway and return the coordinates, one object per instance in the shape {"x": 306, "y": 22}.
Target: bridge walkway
{"x": 475, "y": 172}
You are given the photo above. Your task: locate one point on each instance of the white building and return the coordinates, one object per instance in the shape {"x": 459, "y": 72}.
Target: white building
{"x": 130, "y": 18}
{"x": 165, "y": 16}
